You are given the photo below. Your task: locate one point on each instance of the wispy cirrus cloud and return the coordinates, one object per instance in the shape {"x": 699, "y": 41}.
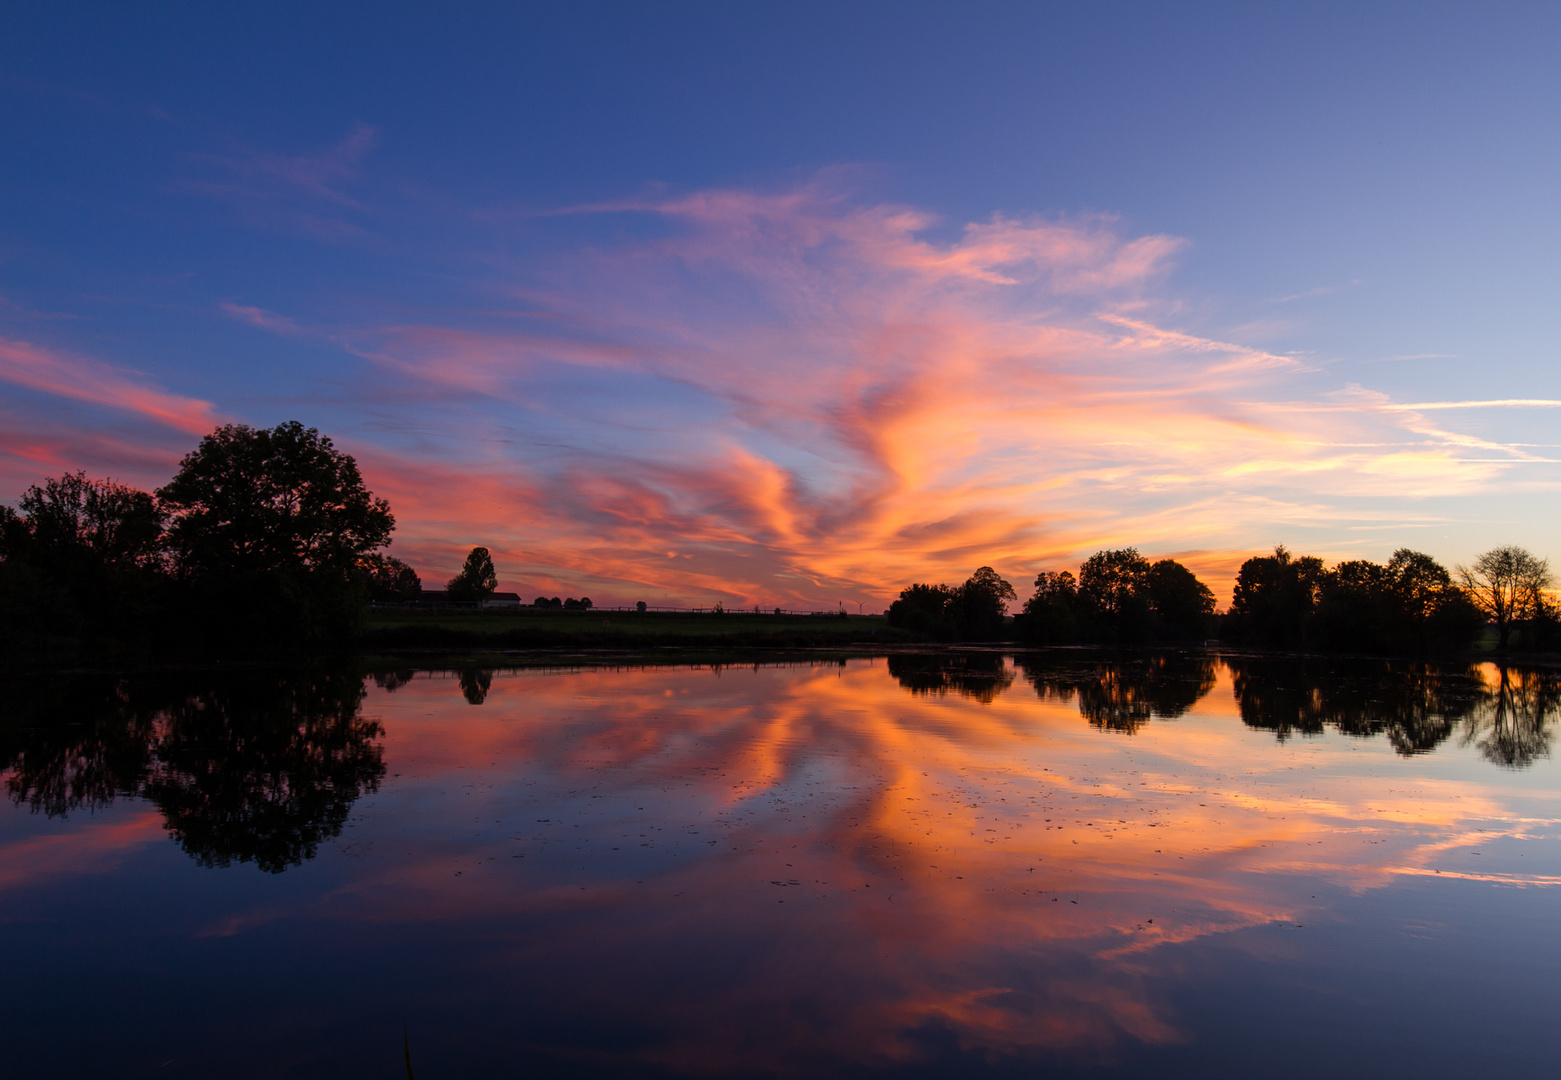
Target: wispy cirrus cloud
{"x": 262, "y": 319}
{"x": 799, "y": 397}
{"x": 96, "y": 383}
{"x": 793, "y": 398}
{"x": 306, "y": 193}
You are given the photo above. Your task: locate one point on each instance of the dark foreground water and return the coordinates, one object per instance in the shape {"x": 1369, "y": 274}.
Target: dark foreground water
{"x": 919, "y": 866}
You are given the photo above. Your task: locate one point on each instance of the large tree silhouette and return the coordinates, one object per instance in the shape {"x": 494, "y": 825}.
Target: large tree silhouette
{"x": 274, "y": 523}
{"x": 1508, "y": 585}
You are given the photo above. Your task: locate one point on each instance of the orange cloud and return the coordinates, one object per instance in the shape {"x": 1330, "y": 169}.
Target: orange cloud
{"x": 833, "y": 405}
{"x": 807, "y": 399}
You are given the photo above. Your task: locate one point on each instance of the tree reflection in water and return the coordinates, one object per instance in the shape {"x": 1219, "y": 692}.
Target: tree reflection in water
{"x": 251, "y": 767}
{"x": 475, "y": 684}
{"x": 1122, "y": 693}
{"x": 1506, "y": 712}
{"x": 1513, "y": 727}
{"x": 978, "y": 675}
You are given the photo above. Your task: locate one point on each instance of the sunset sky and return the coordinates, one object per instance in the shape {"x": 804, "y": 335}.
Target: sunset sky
{"x": 793, "y": 304}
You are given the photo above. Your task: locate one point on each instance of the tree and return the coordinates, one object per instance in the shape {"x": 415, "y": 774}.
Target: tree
{"x": 268, "y": 529}
{"x": 921, "y": 608}
{"x": 1429, "y": 611}
{"x": 390, "y": 580}
{"x": 98, "y": 522}
{"x": 977, "y": 608}
{"x": 1050, "y": 615}
{"x": 1182, "y": 606}
{"x": 1114, "y": 595}
{"x": 253, "y": 500}
{"x": 1355, "y": 608}
{"x": 972, "y": 611}
{"x": 477, "y": 578}
{"x": 1275, "y": 598}
{"x": 84, "y": 557}
{"x": 1507, "y": 584}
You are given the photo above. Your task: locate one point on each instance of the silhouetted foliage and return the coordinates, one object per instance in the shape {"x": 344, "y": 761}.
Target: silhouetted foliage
{"x": 264, "y": 537}
{"x": 477, "y": 579}
{"x": 269, "y": 527}
{"x": 1275, "y": 598}
{"x": 1507, "y": 585}
{"x": 979, "y": 607}
{"x": 1409, "y": 605}
{"x": 921, "y": 609}
{"x": 1181, "y": 606}
{"x": 1050, "y": 615}
{"x": 1114, "y": 595}
{"x": 91, "y": 524}
{"x": 390, "y": 580}
{"x": 974, "y": 611}
{"x": 83, "y": 558}
{"x": 1119, "y": 598}
{"x": 247, "y": 767}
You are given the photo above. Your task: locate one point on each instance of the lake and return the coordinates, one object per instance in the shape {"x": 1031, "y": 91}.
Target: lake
{"x": 966, "y": 863}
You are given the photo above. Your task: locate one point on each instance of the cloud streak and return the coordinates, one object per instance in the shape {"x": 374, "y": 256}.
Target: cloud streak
{"x": 807, "y": 397}
{"x": 793, "y": 398}
{"x": 95, "y": 383}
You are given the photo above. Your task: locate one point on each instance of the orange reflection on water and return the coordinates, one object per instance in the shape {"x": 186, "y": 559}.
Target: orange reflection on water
{"x": 791, "y": 864}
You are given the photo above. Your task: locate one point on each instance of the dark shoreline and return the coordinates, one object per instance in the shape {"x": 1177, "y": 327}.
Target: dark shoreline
{"x": 481, "y": 651}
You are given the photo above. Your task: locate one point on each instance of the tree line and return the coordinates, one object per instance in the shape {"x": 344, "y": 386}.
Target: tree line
{"x": 1410, "y": 604}
{"x": 263, "y": 536}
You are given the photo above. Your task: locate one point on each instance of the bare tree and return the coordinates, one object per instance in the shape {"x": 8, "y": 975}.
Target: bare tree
{"x": 1508, "y": 584}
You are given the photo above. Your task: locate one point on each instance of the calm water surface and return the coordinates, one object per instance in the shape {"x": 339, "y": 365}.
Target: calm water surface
{"x": 967, "y": 864}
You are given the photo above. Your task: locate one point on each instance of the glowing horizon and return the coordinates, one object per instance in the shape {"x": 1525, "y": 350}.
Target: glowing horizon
{"x": 652, "y": 328}
{"x": 793, "y": 398}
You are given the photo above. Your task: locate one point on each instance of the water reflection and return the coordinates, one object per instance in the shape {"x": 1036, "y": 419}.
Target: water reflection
{"x": 475, "y": 684}
{"x": 248, "y": 767}
{"x": 1122, "y": 693}
{"x": 978, "y": 675}
{"x": 1508, "y": 713}
{"x": 1517, "y": 714}
{"x": 919, "y": 865}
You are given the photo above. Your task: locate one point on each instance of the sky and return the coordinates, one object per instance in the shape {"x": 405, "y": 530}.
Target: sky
{"x": 795, "y": 304}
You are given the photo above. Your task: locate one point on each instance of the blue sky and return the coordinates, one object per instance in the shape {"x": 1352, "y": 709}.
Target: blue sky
{"x": 599, "y": 283}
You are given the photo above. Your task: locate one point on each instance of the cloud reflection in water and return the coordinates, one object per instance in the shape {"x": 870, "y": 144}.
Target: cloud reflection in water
{"x": 954, "y": 860}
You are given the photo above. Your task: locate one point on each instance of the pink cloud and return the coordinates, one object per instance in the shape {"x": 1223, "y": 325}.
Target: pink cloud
{"x": 79, "y": 379}
{"x": 262, "y": 319}
{"x": 806, "y": 399}
{"x": 873, "y": 407}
